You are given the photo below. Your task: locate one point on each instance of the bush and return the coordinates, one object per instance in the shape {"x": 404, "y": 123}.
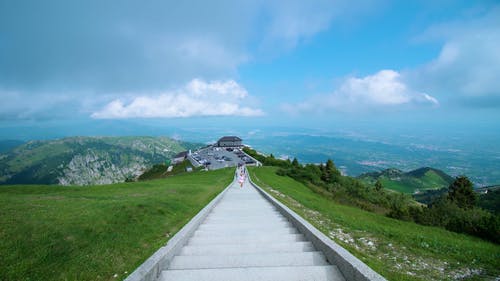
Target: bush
{"x": 461, "y": 192}
{"x": 400, "y": 208}
{"x": 267, "y": 160}
{"x": 448, "y": 214}
{"x": 453, "y": 211}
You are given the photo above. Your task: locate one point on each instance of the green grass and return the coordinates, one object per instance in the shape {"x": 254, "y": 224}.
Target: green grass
{"x": 396, "y": 185}
{"x": 396, "y": 249}
{"x": 422, "y": 179}
{"x": 159, "y": 171}
{"x": 95, "y": 232}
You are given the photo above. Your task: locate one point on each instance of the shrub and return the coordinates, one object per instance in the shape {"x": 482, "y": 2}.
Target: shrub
{"x": 454, "y": 211}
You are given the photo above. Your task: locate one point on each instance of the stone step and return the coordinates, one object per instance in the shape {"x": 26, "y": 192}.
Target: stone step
{"x": 236, "y": 220}
{"x": 244, "y": 225}
{"x": 242, "y": 217}
{"x": 263, "y": 238}
{"x": 249, "y": 232}
{"x": 246, "y": 238}
{"x": 281, "y": 273}
{"x": 244, "y": 211}
{"x": 233, "y": 200}
{"x": 250, "y": 260}
{"x": 254, "y": 248}
{"x": 242, "y": 204}
{"x": 245, "y": 216}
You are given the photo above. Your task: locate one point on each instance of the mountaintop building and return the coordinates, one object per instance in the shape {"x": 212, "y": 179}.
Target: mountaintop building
{"x": 181, "y": 156}
{"x": 229, "y": 141}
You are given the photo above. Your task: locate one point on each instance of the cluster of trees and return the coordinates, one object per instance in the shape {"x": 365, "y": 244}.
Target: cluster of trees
{"x": 327, "y": 180}
{"x": 490, "y": 201}
{"x": 458, "y": 211}
{"x": 455, "y": 210}
{"x": 267, "y": 160}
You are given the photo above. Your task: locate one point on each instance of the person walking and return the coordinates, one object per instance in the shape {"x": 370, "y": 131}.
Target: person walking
{"x": 241, "y": 179}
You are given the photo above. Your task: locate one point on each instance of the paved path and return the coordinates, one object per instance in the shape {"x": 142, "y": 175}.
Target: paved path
{"x": 245, "y": 238}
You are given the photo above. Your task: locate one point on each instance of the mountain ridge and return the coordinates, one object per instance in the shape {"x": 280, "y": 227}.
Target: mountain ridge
{"x": 85, "y": 160}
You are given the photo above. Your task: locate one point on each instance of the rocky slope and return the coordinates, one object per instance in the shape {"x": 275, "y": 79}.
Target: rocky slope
{"x": 85, "y": 160}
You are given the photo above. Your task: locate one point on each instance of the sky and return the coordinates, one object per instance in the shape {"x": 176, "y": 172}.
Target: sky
{"x": 90, "y": 65}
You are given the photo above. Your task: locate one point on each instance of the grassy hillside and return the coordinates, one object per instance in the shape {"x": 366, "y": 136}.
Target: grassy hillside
{"x": 159, "y": 171}
{"x": 410, "y": 182}
{"x": 95, "y": 232}
{"x": 85, "y": 160}
{"x": 396, "y": 249}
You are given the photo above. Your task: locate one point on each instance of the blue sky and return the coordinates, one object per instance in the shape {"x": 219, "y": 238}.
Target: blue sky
{"x": 262, "y": 63}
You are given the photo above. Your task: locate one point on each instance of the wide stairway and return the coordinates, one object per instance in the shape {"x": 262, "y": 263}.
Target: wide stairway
{"x": 246, "y": 238}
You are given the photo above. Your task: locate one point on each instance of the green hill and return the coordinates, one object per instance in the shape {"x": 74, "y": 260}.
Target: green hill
{"x": 85, "y": 160}
{"x": 410, "y": 182}
{"x": 399, "y": 250}
{"x": 159, "y": 171}
{"x": 50, "y": 232}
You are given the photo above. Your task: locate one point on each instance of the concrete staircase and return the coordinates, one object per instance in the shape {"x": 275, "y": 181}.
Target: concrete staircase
{"x": 245, "y": 238}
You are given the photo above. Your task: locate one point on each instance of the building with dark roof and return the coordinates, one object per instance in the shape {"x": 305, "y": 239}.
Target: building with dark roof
{"x": 229, "y": 141}
{"x": 181, "y": 156}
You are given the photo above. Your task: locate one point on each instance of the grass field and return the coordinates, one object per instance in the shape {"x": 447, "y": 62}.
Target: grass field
{"x": 96, "y": 232}
{"x": 396, "y": 249}
{"x": 410, "y": 183}
{"x": 160, "y": 170}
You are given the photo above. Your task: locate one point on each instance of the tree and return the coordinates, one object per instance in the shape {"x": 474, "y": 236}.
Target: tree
{"x": 330, "y": 166}
{"x": 378, "y": 186}
{"x": 330, "y": 173}
{"x": 295, "y": 162}
{"x": 322, "y": 169}
{"x": 461, "y": 193}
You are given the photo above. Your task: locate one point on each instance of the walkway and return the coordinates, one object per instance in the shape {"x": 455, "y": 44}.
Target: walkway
{"x": 245, "y": 238}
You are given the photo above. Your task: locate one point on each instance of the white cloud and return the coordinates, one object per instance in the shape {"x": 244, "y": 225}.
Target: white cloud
{"x": 85, "y": 52}
{"x": 197, "y": 98}
{"x": 466, "y": 69}
{"x": 290, "y": 22}
{"x": 384, "y": 89}
{"x": 296, "y": 20}
{"x": 468, "y": 65}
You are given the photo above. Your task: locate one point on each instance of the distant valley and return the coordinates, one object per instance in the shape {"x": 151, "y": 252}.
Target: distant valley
{"x": 356, "y": 155}
{"x": 84, "y": 160}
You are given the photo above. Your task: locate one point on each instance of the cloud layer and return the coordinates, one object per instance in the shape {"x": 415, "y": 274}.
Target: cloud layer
{"x": 468, "y": 65}
{"x": 129, "y": 45}
{"x": 384, "y": 89}
{"x": 92, "y": 52}
{"x": 61, "y": 58}
{"x": 197, "y": 98}
{"x": 464, "y": 72}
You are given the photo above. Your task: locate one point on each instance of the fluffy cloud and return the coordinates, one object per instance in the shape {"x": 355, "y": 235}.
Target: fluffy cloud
{"x": 127, "y": 45}
{"x": 84, "y": 52}
{"x": 197, "y": 98}
{"x": 294, "y": 20}
{"x": 383, "y": 89}
{"x": 465, "y": 71}
{"x": 468, "y": 65}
